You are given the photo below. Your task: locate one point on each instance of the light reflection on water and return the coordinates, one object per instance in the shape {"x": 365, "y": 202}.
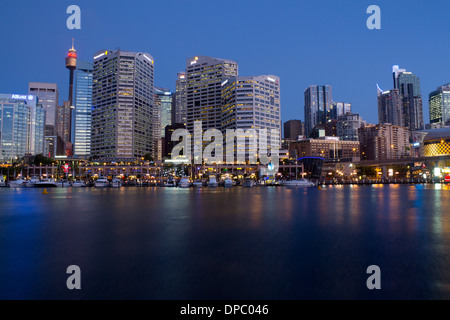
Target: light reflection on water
{"x": 234, "y": 243}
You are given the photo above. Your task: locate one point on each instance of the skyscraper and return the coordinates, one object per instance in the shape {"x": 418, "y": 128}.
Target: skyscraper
{"x": 22, "y": 125}
{"x": 82, "y": 120}
{"x": 390, "y": 107}
{"x": 439, "y": 104}
{"x": 204, "y": 96}
{"x": 122, "y": 94}
{"x": 63, "y": 121}
{"x": 408, "y": 85}
{"x": 49, "y": 98}
{"x": 156, "y": 127}
{"x": 165, "y": 98}
{"x": 318, "y": 100}
{"x": 252, "y": 103}
{"x": 179, "y": 105}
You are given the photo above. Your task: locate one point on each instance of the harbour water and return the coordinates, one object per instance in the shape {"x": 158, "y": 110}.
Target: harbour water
{"x": 226, "y": 243}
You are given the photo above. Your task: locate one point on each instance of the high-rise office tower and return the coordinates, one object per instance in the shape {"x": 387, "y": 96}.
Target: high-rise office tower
{"x": 179, "y": 105}
{"x": 390, "y": 107}
{"x": 165, "y": 98}
{"x": 156, "y": 127}
{"x": 252, "y": 103}
{"x": 408, "y": 85}
{"x": 82, "y": 120}
{"x": 22, "y": 126}
{"x": 49, "y": 98}
{"x": 168, "y": 143}
{"x": 292, "y": 129}
{"x": 63, "y": 126}
{"x": 439, "y": 104}
{"x": 204, "y": 99}
{"x": 318, "y": 100}
{"x": 122, "y": 98}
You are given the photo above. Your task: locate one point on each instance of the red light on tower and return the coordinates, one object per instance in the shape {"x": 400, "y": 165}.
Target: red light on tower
{"x": 71, "y": 54}
{"x": 71, "y": 60}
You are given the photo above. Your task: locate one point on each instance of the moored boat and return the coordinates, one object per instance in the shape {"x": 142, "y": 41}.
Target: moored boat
{"x": 212, "y": 183}
{"x": 184, "y": 182}
{"x": 78, "y": 184}
{"x": 248, "y": 183}
{"x": 30, "y": 183}
{"x": 19, "y": 183}
{"x": 2, "y": 182}
{"x": 228, "y": 182}
{"x": 102, "y": 183}
{"x": 45, "y": 183}
{"x": 116, "y": 183}
{"x": 197, "y": 184}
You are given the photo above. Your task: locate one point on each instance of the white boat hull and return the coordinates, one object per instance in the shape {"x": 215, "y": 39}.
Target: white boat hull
{"x": 18, "y": 184}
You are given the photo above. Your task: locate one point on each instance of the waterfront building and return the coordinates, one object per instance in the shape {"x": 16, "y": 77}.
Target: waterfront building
{"x": 439, "y": 104}
{"x": 123, "y": 101}
{"x": 81, "y": 129}
{"x": 329, "y": 148}
{"x": 384, "y": 142}
{"x": 22, "y": 126}
{"x": 432, "y": 142}
{"x": 252, "y": 103}
{"x": 348, "y": 125}
{"x": 318, "y": 102}
{"x": 179, "y": 106}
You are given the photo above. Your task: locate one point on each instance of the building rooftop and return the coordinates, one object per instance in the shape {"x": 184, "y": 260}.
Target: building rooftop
{"x": 436, "y": 133}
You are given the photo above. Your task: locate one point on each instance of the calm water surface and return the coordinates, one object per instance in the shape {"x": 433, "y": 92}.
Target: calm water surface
{"x": 237, "y": 243}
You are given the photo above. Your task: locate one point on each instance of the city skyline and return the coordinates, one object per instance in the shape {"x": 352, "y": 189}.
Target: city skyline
{"x": 296, "y": 67}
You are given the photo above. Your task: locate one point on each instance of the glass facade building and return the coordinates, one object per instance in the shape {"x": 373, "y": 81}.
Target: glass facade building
{"x": 439, "y": 103}
{"x": 179, "y": 99}
{"x": 48, "y": 96}
{"x": 408, "y": 85}
{"x": 22, "y": 126}
{"x": 348, "y": 125}
{"x": 318, "y": 102}
{"x": 165, "y": 99}
{"x": 82, "y": 120}
{"x": 390, "y": 107}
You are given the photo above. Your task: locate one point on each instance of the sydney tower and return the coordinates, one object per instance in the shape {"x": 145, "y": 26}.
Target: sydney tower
{"x": 71, "y": 64}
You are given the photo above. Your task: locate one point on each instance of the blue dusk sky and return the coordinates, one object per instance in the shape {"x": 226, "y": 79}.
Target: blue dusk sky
{"x": 302, "y": 42}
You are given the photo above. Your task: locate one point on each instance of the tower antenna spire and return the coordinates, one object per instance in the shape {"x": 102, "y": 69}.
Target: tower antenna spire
{"x": 72, "y": 43}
